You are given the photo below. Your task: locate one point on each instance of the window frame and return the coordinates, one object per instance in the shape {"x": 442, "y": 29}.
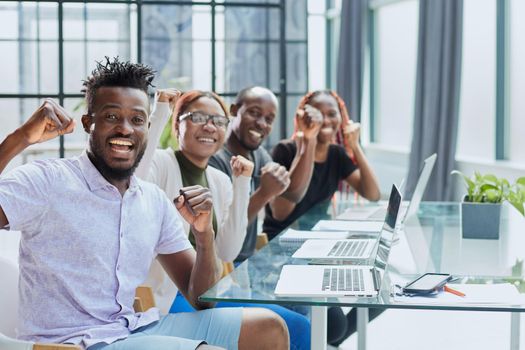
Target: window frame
{"x": 61, "y": 95}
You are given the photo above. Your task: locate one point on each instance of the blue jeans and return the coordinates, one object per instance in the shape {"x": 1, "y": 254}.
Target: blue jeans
{"x": 298, "y": 325}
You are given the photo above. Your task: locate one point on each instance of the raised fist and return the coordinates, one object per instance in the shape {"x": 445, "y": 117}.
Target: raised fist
{"x": 195, "y": 205}
{"x": 309, "y": 121}
{"x": 275, "y": 179}
{"x": 241, "y": 166}
{"x": 47, "y": 122}
{"x": 351, "y": 134}
{"x": 168, "y": 95}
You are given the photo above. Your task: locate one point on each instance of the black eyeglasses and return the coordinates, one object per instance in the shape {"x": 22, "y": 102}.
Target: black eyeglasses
{"x": 200, "y": 118}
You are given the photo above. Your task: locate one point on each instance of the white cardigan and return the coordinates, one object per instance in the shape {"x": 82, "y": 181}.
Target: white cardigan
{"x": 230, "y": 203}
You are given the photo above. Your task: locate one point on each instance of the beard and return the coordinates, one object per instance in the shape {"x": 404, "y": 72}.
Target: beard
{"x": 249, "y": 147}
{"x": 107, "y": 171}
{"x": 246, "y": 145}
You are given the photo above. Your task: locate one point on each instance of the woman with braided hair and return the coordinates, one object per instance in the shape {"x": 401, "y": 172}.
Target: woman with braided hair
{"x": 323, "y": 151}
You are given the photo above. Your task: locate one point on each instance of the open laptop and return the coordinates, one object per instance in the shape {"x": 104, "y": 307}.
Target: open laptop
{"x": 337, "y": 280}
{"x": 377, "y": 213}
{"x": 353, "y": 249}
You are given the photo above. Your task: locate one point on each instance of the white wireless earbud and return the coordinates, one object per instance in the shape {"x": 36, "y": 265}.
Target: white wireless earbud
{"x": 92, "y": 127}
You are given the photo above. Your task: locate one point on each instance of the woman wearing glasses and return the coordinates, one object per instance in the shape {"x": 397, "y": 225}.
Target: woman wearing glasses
{"x": 200, "y": 121}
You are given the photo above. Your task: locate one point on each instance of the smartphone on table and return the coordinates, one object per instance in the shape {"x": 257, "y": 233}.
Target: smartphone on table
{"x": 427, "y": 283}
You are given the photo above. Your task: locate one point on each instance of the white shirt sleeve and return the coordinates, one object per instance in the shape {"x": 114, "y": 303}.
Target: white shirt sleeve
{"x": 24, "y": 193}
{"x": 158, "y": 119}
{"x": 232, "y": 228}
{"x": 172, "y": 238}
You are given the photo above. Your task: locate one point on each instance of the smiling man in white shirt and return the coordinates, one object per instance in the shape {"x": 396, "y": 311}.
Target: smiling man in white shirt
{"x": 90, "y": 230}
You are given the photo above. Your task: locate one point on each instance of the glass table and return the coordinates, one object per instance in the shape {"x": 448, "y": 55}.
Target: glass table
{"x": 430, "y": 242}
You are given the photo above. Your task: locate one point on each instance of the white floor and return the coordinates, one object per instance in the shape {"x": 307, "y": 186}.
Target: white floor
{"x": 438, "y": 330}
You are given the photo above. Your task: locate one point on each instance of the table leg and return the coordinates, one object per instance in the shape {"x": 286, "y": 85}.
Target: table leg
{"x": 318, "y": 327}
{"x": 515, "y": 331}
{"x": 362, "y": 323}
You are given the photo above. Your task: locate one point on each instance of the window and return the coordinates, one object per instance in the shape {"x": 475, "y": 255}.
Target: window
{"x": 394, "y": 60}
{"x": 316, "y": 45}
{"x": 216, "y": 45}
{"x": 91, "y": 31}
{"x": 477, "y": 125}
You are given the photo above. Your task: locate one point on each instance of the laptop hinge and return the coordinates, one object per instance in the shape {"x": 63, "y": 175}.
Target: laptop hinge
{"x": 376, "y": 276}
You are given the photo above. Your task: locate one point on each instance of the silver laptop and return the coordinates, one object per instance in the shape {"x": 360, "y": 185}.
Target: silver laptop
{"x": 327, "y": 280}
{"x": 377, "y": 213}
{"x": 337, "y": 280}
{"x": 354, "y": 249}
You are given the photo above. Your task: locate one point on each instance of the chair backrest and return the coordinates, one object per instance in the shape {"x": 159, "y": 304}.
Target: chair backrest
{"x": 8, "y": 297}
{"x": 13, "y": 344}
{"x": 262, "y": 240}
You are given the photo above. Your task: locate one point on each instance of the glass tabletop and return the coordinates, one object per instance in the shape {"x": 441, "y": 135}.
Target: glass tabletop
{"x": 430, "y": 242}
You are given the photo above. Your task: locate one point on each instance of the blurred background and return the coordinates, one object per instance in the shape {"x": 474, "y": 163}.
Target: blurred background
{"x": 397, "y": 64}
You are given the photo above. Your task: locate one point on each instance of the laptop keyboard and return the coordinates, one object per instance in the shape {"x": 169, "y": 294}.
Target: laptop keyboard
{"x": 348, "y": 248}
{"x": 344, "y": 280}
{"x": 379, "y": 214}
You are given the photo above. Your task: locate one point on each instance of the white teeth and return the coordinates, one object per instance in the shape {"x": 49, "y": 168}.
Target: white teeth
{"x": 121, "y": 143}
{"x": 326, "y": 130}
{"x": 255, "y": 133}
{"x": 205, "y": 139}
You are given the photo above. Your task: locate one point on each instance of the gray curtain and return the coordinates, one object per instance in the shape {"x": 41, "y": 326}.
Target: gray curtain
{"x": 350, "y": 61}
{"x": 437, "y": 94}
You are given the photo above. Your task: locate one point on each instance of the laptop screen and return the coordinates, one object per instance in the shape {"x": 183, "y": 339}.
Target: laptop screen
{"x": 394, "y": 203}
{"x": 421, "y": 185}
{"x": 387, "y": 232}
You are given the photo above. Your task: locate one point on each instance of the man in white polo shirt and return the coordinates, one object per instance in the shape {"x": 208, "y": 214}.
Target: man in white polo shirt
{"x": 90, "y": 230}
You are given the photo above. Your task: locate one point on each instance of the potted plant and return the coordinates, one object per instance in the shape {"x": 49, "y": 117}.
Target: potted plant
{"x": 481, "y": 206}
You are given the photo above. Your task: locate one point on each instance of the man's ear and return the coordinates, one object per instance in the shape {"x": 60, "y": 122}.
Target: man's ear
{"x": 87, "y": 123}
{"x": 234, "y": 109}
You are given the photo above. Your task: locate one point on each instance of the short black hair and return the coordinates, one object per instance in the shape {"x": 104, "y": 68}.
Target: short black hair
{"x": 118, "y": 74}
{"x": 239, "y": 99}
{"x": 244, "y": 93}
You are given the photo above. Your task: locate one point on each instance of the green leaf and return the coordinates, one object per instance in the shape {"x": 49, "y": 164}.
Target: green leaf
{"x": 518, "y": 205}
{"x": 491, "y": 189}
{"x": 478, "y": 177}
{"x": 486, "y": 187}
{"x": 517, "y": 268}
{"x": 468, "y": 182}
{"x": 492, "y": 196}
{"x": 167, "y": 139}
{"x": 490, "y": 178}
{"x": 516, "y": 199}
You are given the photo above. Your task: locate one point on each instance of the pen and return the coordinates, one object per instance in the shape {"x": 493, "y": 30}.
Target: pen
{"x": 453, "y": 291}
